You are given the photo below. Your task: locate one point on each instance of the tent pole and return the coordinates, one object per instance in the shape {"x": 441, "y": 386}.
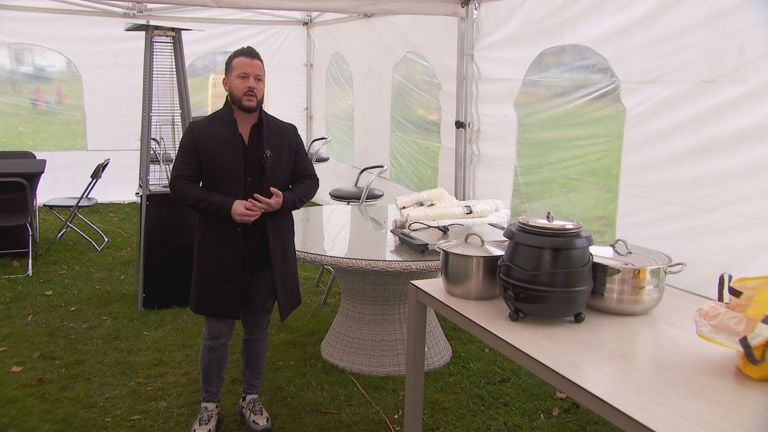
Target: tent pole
{"x": 308, "y": 66}
{"x": 464, "y": 97}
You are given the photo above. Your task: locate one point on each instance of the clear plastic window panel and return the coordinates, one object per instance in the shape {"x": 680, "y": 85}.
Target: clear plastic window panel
{"x": 570, "y": 134}
{"x": 415, "y": 125}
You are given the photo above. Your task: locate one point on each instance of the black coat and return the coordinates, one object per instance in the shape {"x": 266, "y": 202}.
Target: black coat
{"x": 208, "y": 176}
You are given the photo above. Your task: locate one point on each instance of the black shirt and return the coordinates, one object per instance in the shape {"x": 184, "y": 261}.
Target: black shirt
{"x": 255, "y": 166}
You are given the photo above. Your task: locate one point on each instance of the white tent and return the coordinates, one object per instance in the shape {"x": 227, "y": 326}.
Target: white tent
{"x": 690, "y": 76}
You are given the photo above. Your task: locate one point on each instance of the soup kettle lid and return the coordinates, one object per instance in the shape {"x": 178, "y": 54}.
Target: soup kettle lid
{"x": 549, "y": 224}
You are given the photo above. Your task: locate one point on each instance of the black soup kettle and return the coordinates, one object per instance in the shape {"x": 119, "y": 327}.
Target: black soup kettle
{"x": 547, "y": 268}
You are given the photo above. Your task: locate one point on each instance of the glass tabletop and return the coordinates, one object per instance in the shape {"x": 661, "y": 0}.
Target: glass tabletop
{"x": 361, "y": 233}
{"x": 353, "y": 232}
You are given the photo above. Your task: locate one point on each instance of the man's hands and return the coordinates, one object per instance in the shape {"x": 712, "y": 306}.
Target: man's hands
{"x": 247, "y": 211}
{"x": 269, "y": 204}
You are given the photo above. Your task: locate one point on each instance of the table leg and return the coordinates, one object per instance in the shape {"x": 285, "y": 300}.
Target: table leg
{"x": 368, "y": 333}
{"x": 414, "y": 363}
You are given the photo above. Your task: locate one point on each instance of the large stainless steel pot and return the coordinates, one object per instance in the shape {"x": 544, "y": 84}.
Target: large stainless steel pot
{"x": 469, "y": 269}
{"x": 629, "y": 280}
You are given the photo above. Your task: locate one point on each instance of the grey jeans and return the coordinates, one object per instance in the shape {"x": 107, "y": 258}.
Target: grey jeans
{"x": 214, "y": 349}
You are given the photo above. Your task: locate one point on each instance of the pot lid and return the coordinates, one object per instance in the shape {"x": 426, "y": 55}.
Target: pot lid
{"x": 548, "y": 224}
{"x": 620, "y": 253}
{"x": 471, "y": 247}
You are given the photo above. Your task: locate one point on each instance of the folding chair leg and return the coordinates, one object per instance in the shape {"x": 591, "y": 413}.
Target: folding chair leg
{"x": 29, "y": 255}
{"x": 331, "y": 279}
{"x": 68, "y": 223}
{"x": 328, "y": 286}
{"x": 29, "y": 252}
{"x": 320, "y": 274}
{"x": 36, "y": 225}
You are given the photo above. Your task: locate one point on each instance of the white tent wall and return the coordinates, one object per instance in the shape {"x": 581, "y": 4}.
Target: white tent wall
{"x": 110, "y": 61}
{"x": 106, "y": 57}
{"x": 692, "y": 76}
{"x": 110, "y": 64}
{"x": 372, "y": 58}
{"x": 693, "y": 179}
{"x": 283, "y": 49}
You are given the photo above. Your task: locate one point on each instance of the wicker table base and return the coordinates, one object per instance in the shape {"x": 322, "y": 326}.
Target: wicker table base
{"x": 368, "y": 334}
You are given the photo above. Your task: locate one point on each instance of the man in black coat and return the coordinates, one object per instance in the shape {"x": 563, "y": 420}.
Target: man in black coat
{"x": 243, "y": 171}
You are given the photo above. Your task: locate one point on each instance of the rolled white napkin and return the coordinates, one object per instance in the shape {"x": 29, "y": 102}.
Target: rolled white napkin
{"x": 427, "y": 198}
{"x": 459, "y": 210}
{"x": 498, "y": 217}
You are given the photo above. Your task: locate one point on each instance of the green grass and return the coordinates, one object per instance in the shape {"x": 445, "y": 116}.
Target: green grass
{"x": 76, "y": 355}
{"x": 59, "y": 126}
{"x": 568, "y": 162}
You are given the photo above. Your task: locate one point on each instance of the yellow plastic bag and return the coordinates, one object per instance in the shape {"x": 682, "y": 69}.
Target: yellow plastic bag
{"x": 726, "y": 320}
{"x": 753, "y": 361}
{"x": 741, "y": 323}
{"x": 748, "y": 295}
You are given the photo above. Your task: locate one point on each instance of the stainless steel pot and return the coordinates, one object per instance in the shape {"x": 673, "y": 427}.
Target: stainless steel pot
{"x": 629, "y": 280}
{"x": 469, "y": 269}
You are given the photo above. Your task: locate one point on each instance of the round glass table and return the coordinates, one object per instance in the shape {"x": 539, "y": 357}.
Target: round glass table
{"x": 368, "y": 334}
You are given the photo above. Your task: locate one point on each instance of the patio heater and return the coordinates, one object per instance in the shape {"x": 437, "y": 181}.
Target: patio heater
{"x": 166, "y": 229}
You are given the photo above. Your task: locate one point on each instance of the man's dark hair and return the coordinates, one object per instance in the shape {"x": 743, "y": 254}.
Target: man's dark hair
{"x": 246, "y": 51}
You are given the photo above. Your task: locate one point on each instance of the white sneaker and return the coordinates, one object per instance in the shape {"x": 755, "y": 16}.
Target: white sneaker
{"x": 253, "y": 414}
{"x": 208, "y": 419}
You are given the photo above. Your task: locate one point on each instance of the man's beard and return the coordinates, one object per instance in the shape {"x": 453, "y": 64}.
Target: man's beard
{"x": 238, "y": 103}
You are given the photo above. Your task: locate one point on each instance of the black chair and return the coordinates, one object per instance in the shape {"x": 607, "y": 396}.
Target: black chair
{"x": 25, "y": 154}
{"x": 16, "y": 201}
{"x": 354, "y": 194}
{"x": 67, "y": 209}
{"x": 314, "y": 154}
{"x": 360, "y": 194}
{"x": 159, "y": 156}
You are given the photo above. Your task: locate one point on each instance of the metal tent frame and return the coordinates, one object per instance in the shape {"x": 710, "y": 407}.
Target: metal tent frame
{"x": 310, "y": 14}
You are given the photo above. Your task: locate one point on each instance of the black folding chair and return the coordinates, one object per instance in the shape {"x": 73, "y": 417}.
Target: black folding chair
{"x": 357, "y": 194}
{"x": 314, "y": 154}
{"x": 15, "y": 212}
{"x": 67, "y": 209}
{"x": 26, "y": 154}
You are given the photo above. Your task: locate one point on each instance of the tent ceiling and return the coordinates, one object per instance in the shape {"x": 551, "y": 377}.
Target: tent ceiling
{"x": 366, "y": 7}
{"x": 239, "y": 11}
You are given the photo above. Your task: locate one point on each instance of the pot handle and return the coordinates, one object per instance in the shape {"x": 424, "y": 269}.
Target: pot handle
{"x": 675, "y": 270}
{"x": 622, "y": 242}
{"x": 482, "y": 240}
